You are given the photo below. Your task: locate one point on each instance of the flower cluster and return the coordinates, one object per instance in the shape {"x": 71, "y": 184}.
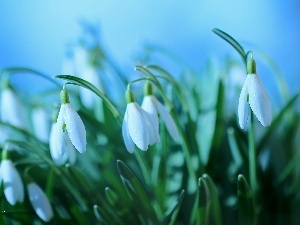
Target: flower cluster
{"x": 67, "y": 134}
{"x": 14, "y": 189}
{"x": 140, "y": 124}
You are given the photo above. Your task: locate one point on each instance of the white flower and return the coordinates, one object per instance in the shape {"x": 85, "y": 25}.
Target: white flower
{"x": 12, "y": 110}
{"x": 69, "y": 121}
{"x": 41, "y": 123}
{"x": 69, "y": 153}
{"x": 87, "y": 97}
{"x": 39, "y": 202}
{"x": 254, "y": 93}
{"x": 13, "y": 186}
{"x": 152, "y": 106}
{"x": 138, "y": 128}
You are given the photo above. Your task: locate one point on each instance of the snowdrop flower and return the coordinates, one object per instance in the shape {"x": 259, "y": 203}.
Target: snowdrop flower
{"x": 254, "y": 93}
{"x": 12, "y": 182}
{"x": 153, "y": 107}
{"x": 138, "y": 127}
{"x": 41, "y": 123}
{"x": 87, "y": 97}
{"x": 11, "y": 108}
{"x": 69, "y": 152}
{"x": 39, "y": 202}
{"x": 68, "y": 121}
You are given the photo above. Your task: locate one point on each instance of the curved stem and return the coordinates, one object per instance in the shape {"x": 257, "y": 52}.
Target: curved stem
{"x": 137, "y": 80}
{"x": 12, "y": 70}
{"x": 167, "y": 76}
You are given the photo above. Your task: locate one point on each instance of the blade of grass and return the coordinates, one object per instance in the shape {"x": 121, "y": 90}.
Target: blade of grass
{"x": 245, "y": 203}
{"x": 232, "y": 42}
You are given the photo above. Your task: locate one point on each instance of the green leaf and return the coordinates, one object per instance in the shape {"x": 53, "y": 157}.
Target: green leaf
{"x": 200, "y": 213}
{"x": 136, "y": 191}
{"x": 245, "y": 202}
{"x": 175, "y": 211}
{"x": 80, "y": 216}
{"x": 276, "y": 122}
{"x": 102, "y": 216}
{"x": 235, "y": 151}
{"x": 11, "y": 70}
{"x": 219, "y": 125}
{"x": 215, "y": 208}
{"x": 111, "y": 196}
{"x": 232, "y": 42}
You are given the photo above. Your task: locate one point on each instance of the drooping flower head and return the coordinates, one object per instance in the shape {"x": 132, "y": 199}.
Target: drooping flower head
{"x": 69, "y": 121}
{"x": 254, "y": 94}
{"x": 138, "y": 127}
{"x": 12, "y": 182}
{"x": 153, "y": 107}
{"x": 12, "y": 110}
{"x": 69, "y": 152}
{"x": 39, "y": 201}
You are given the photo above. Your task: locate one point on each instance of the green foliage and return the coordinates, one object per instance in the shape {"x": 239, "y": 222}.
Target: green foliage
{"x": 194, "y": 180}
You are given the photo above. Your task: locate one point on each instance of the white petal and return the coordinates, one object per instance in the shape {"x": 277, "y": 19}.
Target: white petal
{"x": 152, "y": 128}
{"x": 148, "y": 105}
{"x": 243, "y": 107}
{"x": 87, "y": 97}
{"x": 127, "y": 139}
{"x": 57, "y": 158}
{"x": 41, "y": 123}
{"x": 170, "y": 124}
{"x": 39, "y": 202}
{"x": 80, "y": 59}
{"x": 11, "y": 181}
{"x": 11, "y": 109}
{"x": 59, "y": 131}
{"x": 259, "y": 100}
{"x": 20, "y": 187}
{"x": 75, "y": 128}
{"x": 137, "y": 126}
{"x": 70, "y": 150}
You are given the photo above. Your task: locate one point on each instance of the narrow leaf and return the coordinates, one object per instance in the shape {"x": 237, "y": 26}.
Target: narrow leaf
{"x": 176, "y": 209}
{"x": 232, "y": 42}
{"x": 276, "y": 122}
{"x": 102, "y": 216}
{"x": 111, "y": 196}
{"x": 200, "y": 214}
{"x": 136, "y": 191}
{"x": 215, "y": 208}
{"x": 245, "y": 202}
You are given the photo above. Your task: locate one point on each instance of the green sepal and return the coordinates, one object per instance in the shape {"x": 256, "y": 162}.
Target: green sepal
{"x": 129, "y": 96}
{"x": 251, "y": 66}
{"x": 64, "y": 97}
{"x": 148, "y": 90}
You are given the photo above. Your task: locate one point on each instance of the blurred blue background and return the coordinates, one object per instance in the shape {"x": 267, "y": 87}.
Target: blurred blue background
{"x": 35, "y": 33}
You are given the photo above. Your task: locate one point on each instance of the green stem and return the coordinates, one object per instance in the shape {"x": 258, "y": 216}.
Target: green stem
{"x": 11, "y": 70}
{"x": 252, "y": 155}
{"x": 252, "y": 164}
{"x": 143, "y": 167}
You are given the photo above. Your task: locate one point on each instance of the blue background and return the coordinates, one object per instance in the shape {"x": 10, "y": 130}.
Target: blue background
{"x": 35, "y": 33}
